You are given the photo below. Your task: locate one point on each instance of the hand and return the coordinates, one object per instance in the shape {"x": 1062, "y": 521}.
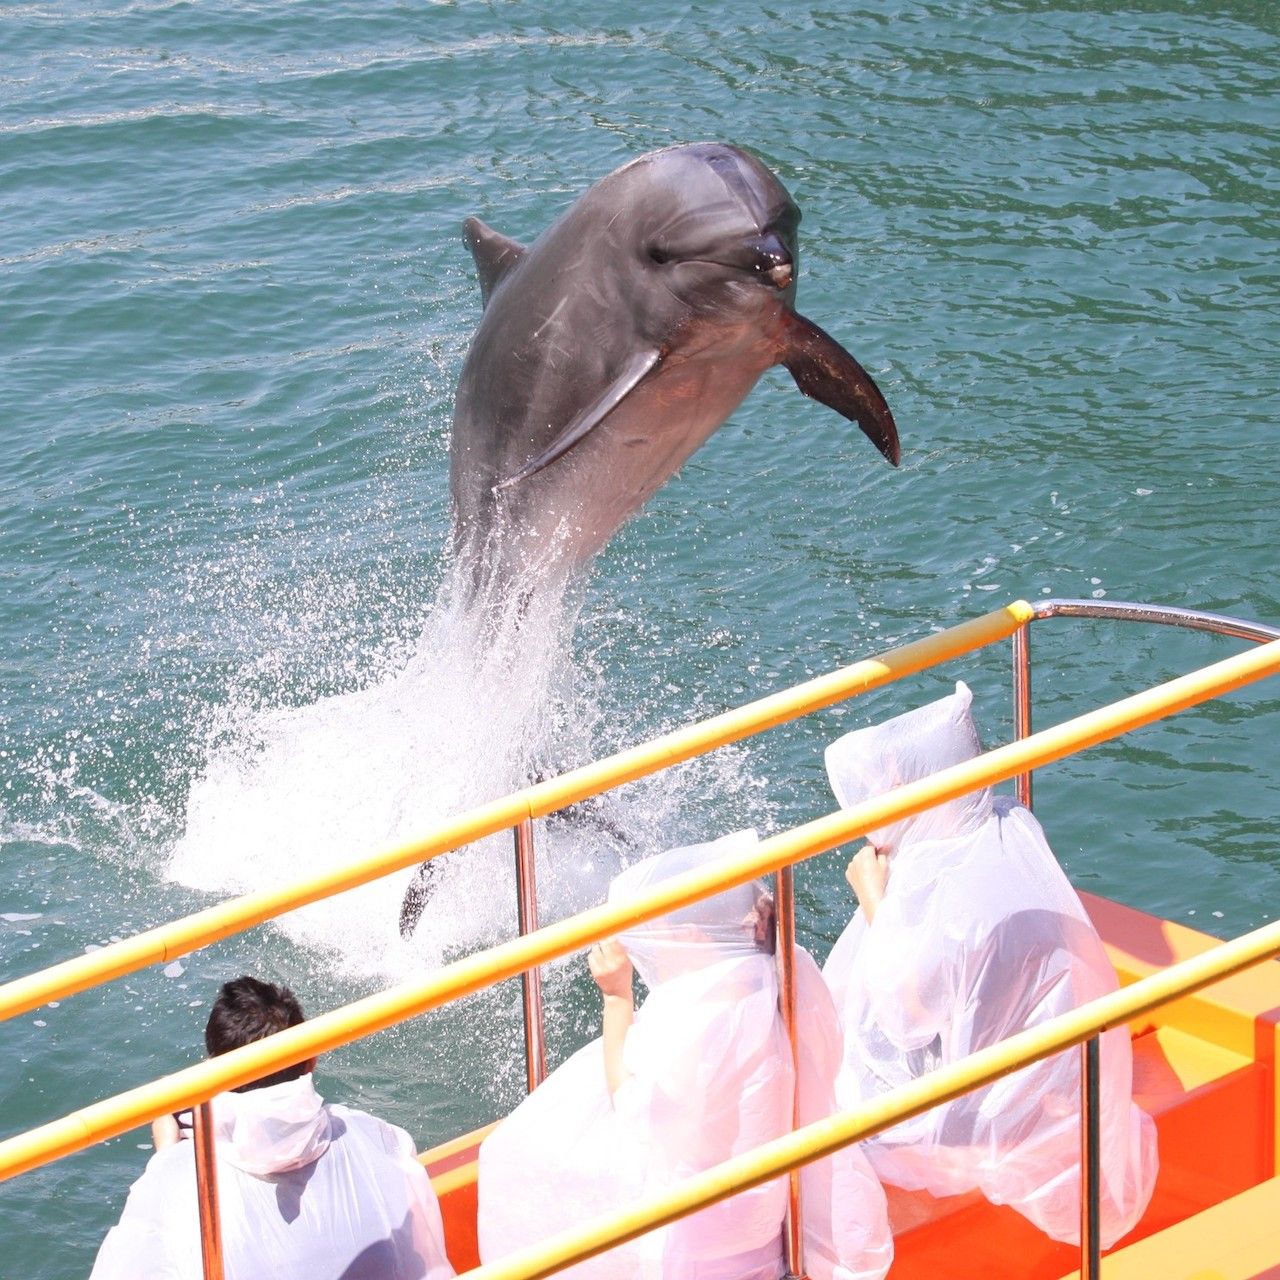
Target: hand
{"x": 164, "y": 1132}
{"x": 611, "y": 968}
{"x": 867, "y": 874}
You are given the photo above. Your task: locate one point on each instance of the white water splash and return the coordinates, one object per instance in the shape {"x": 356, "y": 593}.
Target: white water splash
{"x": 488, "y": 698}
{"x": 65, "y": 813}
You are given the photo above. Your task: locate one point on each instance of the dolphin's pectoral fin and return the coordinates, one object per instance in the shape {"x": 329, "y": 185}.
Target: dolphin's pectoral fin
{"x": 495, "y": 254}
{"x": 592, "y": 416}
{"x": 416, "y": 897}
{"x": 824, "y": 370}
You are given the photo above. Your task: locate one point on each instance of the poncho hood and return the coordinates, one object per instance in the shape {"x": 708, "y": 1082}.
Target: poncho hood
{"x": 869, "y": 762}
{"x": 272, "y": 1130}
{"x": 702, "y": 934}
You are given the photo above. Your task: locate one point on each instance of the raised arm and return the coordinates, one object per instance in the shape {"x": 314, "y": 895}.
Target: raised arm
{"x": 611, "y": 969}
{"x": 867, "y": 874}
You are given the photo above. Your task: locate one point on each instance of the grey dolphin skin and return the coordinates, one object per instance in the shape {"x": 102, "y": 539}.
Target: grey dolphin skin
{"x": 613, "y": 346}
{"x": 609, "y": 351}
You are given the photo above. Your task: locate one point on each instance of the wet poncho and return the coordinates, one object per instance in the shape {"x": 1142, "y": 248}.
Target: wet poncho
{"x": 306, "y": 1191}
{"x": 979, "y": 935}
{"x": 710, "y": 1077}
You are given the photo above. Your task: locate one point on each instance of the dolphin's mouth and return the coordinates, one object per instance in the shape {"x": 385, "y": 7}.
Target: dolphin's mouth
{"x": 780, "y": 275}
{"x": 766, "y": 256}
{"x": 773, "y": 260}
{"x": 777, "y": 275}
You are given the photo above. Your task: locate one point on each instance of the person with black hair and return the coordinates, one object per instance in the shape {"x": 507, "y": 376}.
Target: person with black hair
{"x": 308, "y": 1190}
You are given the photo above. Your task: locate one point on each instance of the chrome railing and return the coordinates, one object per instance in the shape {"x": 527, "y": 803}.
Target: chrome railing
{"x": 532, "y": 1002}
{"x": 207, "y": 1191}
{"x": 535, "y": 1043}
{"x": 1090, "y": 1261}
{"x": 785, "y": 906}
{"x": 1119, "y": 611}
{"x": 824, "y": 693}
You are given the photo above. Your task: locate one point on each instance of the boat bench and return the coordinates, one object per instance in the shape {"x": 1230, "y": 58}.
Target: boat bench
{"x": 1238, "y": 1239}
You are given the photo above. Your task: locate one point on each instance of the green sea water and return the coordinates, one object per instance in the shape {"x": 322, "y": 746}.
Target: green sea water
{"x": 233, "y": 306}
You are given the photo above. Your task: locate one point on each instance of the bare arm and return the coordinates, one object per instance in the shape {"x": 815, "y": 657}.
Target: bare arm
{"x": 164, "y": 1132}
{"x": 867, "y": 874}
{"x": 611, "y": 969}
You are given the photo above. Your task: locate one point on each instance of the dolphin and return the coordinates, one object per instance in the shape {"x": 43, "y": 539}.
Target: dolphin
{"x": 609, "y": 350}
{"x": 612, "y": 347}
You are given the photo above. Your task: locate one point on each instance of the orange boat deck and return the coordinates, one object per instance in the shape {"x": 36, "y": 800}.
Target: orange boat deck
{"x": 1204, "y": 1068}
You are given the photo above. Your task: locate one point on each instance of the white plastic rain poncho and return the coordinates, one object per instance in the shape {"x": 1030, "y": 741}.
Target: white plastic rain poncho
{"x": 710, "y": 1077}
{"x": 979, "y": 935}
{"x": 306, "y": 1191}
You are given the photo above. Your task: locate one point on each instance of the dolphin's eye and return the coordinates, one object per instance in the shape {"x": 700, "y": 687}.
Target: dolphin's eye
{"x": 660, "y": 256}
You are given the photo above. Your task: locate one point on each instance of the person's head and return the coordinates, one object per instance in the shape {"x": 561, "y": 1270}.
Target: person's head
{"x": 869, "y": 762}
{"x": 730, "y": 925}
{"x": 247, "y": 1010}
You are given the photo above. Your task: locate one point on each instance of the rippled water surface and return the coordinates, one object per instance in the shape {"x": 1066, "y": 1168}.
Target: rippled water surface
{"x": 233, "y": 305}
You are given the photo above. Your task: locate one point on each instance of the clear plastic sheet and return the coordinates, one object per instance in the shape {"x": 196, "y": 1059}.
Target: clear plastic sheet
{"x": 979, "y": 935}
{"x": 711, "y": 1077}
{"x": 306, "y": 1191}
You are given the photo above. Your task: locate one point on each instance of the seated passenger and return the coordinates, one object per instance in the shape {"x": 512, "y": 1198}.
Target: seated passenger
{"x": 968, "y": 932}
{"x": 307, "y": 1190}
{"x": 703, "y": 1073}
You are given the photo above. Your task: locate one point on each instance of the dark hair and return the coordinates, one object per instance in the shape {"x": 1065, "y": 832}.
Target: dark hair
{"x": 764, "y": 919}
{"x": 247, "y": 1010}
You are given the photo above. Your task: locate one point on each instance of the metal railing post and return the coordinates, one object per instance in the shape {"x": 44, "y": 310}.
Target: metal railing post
{"x": 785, "y": 906}
{"x": 1090, "y": 1162}
{"x": 1022, "y": 703}
{"x": 207, "y": 1191}
{"x": 535, "y": 1048}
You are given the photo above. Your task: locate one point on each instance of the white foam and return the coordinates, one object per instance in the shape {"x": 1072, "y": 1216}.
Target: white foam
{"x": 487, "y": 697}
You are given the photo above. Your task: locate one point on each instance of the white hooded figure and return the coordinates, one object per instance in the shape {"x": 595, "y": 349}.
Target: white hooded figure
{"x": 978, "y": 935}
{"x": 707, "y": 1074}
{"x": 307, "y": 1191}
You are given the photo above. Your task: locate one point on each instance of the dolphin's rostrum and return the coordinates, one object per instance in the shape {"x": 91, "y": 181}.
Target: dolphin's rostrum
{"x": 614, "y": 345}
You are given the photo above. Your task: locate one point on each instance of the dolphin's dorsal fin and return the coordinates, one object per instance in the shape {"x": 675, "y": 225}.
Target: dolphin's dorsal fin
{"x": 824, "y": 370}
{"x": 594, "y": 414}
{"x": 495, "y": 254}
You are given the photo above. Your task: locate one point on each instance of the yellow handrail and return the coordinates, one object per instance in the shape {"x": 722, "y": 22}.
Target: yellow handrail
{"x": 180, "y": 937}
{"x": 825, "y": 1136}
{"x": 126, "y": 1111}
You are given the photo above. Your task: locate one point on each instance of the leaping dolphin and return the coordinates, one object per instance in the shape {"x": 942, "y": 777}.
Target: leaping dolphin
{"x": 613, "y": 346}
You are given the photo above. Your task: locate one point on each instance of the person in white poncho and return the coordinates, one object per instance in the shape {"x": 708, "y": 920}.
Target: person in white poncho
{"x": 968, "y": 931}
{"x": 703, "y": 1072}
{"x": 307, "y": 1190}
